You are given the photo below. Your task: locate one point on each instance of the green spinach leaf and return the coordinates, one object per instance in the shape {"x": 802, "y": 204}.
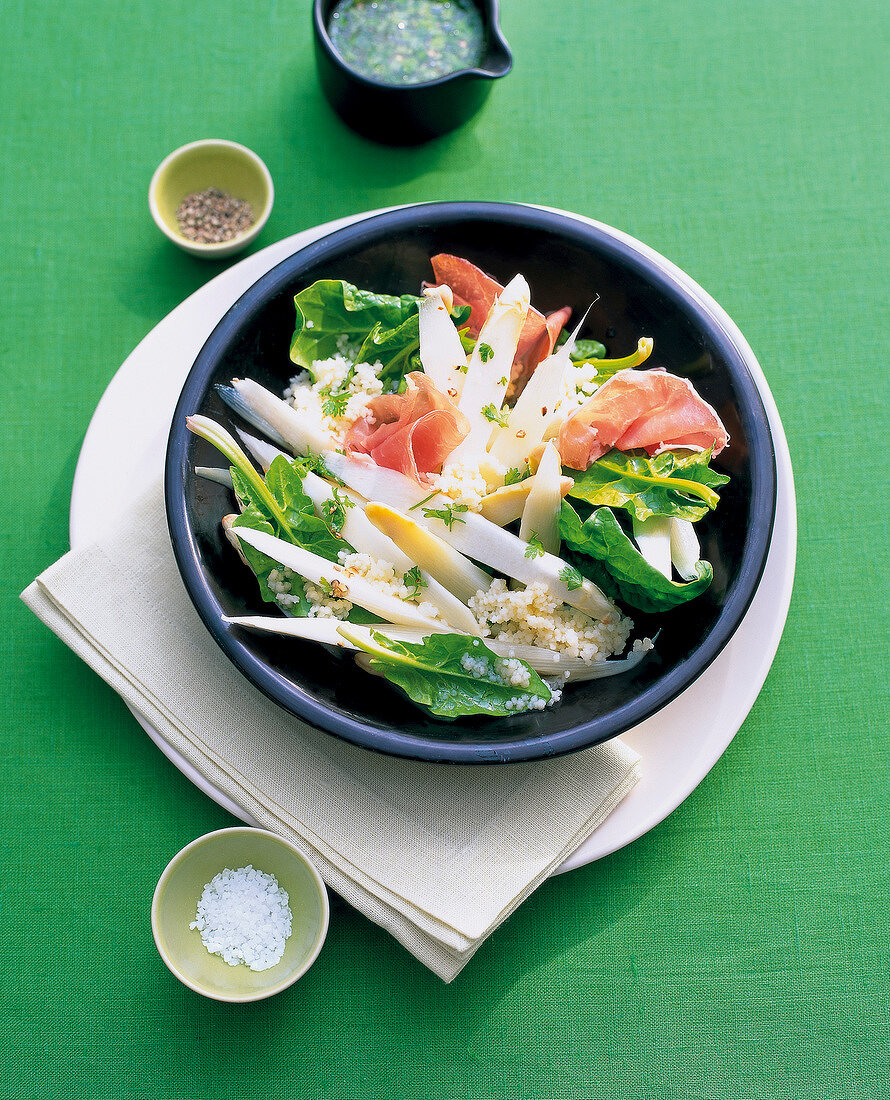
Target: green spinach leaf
{"x": 583, "y": 349}
{"x": 679, "y": 484}
{"x": 331, "y": 308}
{"x": 284, "y": 481}
{"x": 601, "y": 543}
{"x": 451, "y": 675}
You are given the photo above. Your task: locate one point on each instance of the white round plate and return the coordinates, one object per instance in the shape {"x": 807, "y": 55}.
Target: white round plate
{"x": 123, "y": 454}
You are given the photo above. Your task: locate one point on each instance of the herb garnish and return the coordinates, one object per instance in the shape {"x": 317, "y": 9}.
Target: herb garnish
{"x": 496, "y": 416}
{"x": 334, "y": 510}
{"x": 446, "y": 514}
{"x": 334, "y": 403}
{"x": 571, "y": 578}
{"x": 414, "y": 581}
{"x": 535, "y": 549}
{"x": 486, "y": 351}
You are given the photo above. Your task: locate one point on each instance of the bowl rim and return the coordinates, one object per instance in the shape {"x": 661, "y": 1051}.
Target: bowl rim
{"x": 181, "y": 856}
{"x": 299, "y": 702}
{"x": 214, "y": 248}
{"x": 491, "y": 24}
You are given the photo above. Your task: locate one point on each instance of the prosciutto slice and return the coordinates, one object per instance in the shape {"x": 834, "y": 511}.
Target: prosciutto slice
{"x": 472, "y": 287}
{"x": 412, "y": 432}
{"x": 650, "y": 410}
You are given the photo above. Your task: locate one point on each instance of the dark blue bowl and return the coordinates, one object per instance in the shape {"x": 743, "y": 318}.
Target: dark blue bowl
{"x": 407, "y": 114}
{"x": 566, "y": 262}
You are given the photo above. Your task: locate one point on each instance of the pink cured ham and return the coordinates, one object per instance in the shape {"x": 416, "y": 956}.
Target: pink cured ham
{"x": 647, "y": 410}
{"x": 412, "y": 432}
{"x": 472, "y": 287}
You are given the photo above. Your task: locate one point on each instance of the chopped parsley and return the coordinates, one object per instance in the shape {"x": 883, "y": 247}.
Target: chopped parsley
{"x": 447, "y": 514}
{"x": 485, "y": 352}
{"x": 414, "y": 581}
{"x": 334, "y": 510}
{"x": 571, "y": 578}
{"x": 535, "y": 549}
{"x": 334, "y": 404}
{"x": 514, "y": 475}
{"x": 496, "y": 416}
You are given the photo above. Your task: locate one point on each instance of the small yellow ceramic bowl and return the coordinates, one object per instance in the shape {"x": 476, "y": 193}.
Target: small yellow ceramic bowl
{"x": 179, "y": 890}
{"x": 226, "y": 165}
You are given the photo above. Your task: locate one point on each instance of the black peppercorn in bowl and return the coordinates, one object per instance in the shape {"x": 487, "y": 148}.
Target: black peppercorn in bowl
{"x": 211, "y": 198}
{"x": 429, "y": 81}
{"x": 567, "y": 262}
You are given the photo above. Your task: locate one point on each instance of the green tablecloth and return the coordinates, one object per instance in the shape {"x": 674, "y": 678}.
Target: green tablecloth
{"x": 739, "y": 949}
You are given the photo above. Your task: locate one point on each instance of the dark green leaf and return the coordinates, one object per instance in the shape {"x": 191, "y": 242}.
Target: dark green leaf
{"x": 262, "y": 565}
{"x": 583, "y": 349}
{"x": 284, "y": 481}
{"x": 433, "y": 674}
{"x": 634, "y": 580}
{"x": 331, "y": 308}
{"x": 679, "y": 484}
{"x": 396, "y": 349}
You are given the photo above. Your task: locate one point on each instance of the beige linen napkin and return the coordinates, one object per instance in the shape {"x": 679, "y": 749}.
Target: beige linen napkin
{"x": 438, "y": 855}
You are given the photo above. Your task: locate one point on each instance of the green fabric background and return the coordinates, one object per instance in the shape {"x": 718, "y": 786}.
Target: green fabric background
{"x": 737, "y": 951}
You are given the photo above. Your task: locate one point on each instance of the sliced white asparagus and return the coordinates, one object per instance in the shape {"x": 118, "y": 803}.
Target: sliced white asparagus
{"x": 301, "y": 433}
{"x": 375, "y": 482}
{"x": 238, "y": 405}
{"x": 685, "y": 550}
{"x": 549, "y": 662}
{"x": 365, "y": 538}
{"x": 222, "y": 476}
{"x": 346, "y": 585}
{"x": 441, "y": 351}
{"x": 327, "y": 630}
{"x": 545, "y": 661}
{"x": 489, "y": 368}
{"x": 653, "y": 538}
{"x": 435, "y": 556}
{"x": 264, "y": 453}
{"x": 534, "y": 409}
{"x": 540, "y": 516}
{"x": 505, "y": 504}
{"x": 472, "y": 534}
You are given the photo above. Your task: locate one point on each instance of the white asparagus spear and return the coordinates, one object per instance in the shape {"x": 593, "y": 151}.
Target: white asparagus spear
{"x": 540, "y": 516}
{"x": 435, "y": 556}
{"x": 222, "y": 476}
{"x": 300, "y": 432}
{"x": 441, "y": 352}
{"x": 685, "y": 549}
{"x": 264, "y": 453}
{"x": 653, "y": 538}
{"x": 489, "y": 368}
{"x": 472, "y": 534}
{"x": 345, "y": 584}
{"x": 505, "y": 504}
{"x": 545, "y": 661}
{"x": 533, "y": 411}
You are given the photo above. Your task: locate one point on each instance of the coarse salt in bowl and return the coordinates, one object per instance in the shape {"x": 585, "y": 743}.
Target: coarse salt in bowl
{"x": 239, "y": 914}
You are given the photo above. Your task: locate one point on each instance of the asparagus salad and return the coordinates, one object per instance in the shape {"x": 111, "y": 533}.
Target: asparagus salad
{"x": 465, "y": 493}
